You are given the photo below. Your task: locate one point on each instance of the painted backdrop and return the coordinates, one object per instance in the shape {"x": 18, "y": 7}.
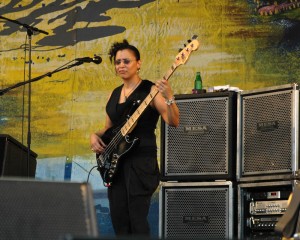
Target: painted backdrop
{"x": 243, "y": 43}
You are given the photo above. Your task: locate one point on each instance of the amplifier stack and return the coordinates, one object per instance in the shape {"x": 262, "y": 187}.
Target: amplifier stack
{"x": 247, "y": 142}
{"x": 194, "y": 155}
{"x": 267, "y": 157}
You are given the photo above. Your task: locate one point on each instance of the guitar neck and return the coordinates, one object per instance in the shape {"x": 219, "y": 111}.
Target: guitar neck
{"x": 170, "y": 72}
{"x": 181, "y": 58}
{"x": 131, "y": 122}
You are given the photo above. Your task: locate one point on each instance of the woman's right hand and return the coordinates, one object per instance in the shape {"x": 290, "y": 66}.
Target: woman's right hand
{"x": 97, "y": 144}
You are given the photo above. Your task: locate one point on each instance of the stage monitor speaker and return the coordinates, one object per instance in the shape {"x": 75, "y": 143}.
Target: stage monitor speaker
{"x": 13, "y": 158}
{"x": 203, "y": 146}
{"x": 197, "y": 210}
{"x": 45, "y": 210}
{"x": 268, "y": 139}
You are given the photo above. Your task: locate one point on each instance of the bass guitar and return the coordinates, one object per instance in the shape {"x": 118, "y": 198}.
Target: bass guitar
{"x": 121, "y": 142}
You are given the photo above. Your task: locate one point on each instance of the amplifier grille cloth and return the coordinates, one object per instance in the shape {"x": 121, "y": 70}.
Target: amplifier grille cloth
{"x": 41, "y": 210}
{"x": 198, "y": 153}
{"x": 265, "y": 151}
{"x": 211, "y": 204}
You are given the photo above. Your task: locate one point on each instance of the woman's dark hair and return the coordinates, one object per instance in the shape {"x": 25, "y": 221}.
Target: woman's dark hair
{"x": 117, "y": 46}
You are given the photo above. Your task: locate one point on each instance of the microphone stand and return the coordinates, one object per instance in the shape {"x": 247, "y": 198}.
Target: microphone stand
{"x": 33, "y": 29}
{"x": 49, "y": 74}
{"x": 30, "y": 31}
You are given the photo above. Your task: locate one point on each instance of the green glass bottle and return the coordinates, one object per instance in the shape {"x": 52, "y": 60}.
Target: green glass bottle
{"x": 197, "y": 83}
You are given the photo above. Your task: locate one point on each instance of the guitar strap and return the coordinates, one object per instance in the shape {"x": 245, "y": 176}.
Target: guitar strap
{"x": 113, "y": 107}
{"x": 126, "y": 109}
{"x": 289, "y": 222}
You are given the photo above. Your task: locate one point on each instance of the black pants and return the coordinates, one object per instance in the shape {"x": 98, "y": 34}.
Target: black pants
{"x": 131, "y": 192}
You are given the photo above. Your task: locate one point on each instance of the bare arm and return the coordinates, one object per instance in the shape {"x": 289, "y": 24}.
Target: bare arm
{"x": 169, "y": 113}
{"x": 97, "y": 144}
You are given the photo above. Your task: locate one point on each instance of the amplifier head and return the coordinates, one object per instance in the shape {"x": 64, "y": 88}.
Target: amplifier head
{"x": 260, "y": 206}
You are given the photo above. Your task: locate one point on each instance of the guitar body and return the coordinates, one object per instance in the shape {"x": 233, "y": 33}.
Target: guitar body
{"x": 108, "y": 161}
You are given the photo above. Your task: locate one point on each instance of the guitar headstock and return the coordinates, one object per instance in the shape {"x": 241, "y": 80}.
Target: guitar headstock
{"x": 184, "y": 54}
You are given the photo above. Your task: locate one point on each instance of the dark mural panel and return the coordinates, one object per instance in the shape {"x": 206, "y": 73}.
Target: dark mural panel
{"x": 67, "y": 34}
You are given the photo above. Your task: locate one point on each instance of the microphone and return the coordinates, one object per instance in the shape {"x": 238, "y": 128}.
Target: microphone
{"x": 95, "y": 59}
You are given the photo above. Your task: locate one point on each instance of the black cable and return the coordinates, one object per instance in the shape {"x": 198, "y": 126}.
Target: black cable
{"x": 90, "y": 173}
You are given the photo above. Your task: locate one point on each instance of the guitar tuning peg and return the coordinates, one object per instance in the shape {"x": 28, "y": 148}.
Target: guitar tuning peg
{"x": 184, "y": 45}
{"x": 195, "y": 37}
{"x": 180, "y": 49}
{"x": 189, "y": 40}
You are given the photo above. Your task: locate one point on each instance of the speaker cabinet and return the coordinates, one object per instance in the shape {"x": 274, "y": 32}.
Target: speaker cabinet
{"x": 268, "y": 139}
{"x": 203, "y": 147}
{"x": 196, "y": 210}
{"x": 45, "y": 210}
{"x": 13, "y": 158}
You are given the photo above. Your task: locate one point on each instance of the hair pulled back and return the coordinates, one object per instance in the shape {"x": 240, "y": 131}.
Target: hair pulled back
{"x": 117, "y": 46}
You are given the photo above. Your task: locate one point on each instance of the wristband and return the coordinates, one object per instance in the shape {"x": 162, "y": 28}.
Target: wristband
{"x": 170, "y": 101}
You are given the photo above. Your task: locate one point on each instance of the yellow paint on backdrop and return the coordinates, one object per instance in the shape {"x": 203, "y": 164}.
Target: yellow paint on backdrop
{"x": 70, "y": 105}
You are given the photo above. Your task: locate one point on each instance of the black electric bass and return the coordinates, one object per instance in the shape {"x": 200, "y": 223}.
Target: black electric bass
{"x": 119, "y": 140}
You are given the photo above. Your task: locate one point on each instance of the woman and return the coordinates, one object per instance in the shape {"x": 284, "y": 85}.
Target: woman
{"x": 137, "y": 176}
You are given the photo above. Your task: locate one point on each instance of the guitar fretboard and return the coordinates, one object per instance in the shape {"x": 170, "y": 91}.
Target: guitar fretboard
{"x": 131, "y": 122}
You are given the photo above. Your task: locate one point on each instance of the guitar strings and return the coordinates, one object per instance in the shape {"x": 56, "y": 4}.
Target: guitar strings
{"x": 113, "y": 142}
{"x": 119, "y": 135}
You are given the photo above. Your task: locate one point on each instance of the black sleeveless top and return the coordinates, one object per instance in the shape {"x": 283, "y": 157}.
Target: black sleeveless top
{"x": 119, "y": 112}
